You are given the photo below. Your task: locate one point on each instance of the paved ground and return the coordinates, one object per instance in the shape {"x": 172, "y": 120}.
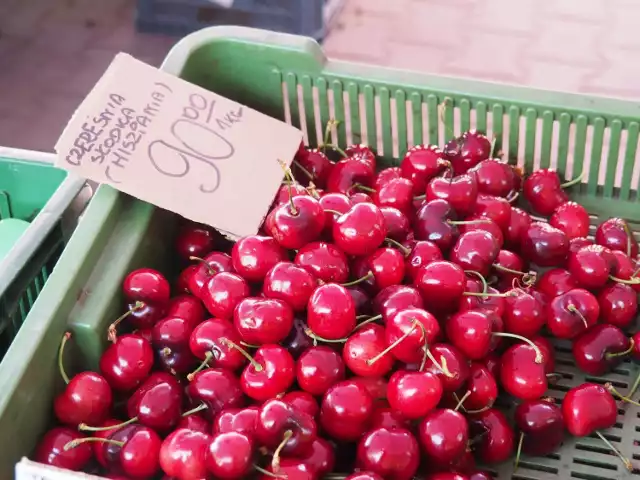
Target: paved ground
{"x": 53, "y": 51}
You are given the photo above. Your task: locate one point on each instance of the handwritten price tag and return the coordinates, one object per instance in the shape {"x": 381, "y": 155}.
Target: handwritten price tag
{"x": 178, "y": 146}
{"x": 28, "y": 470}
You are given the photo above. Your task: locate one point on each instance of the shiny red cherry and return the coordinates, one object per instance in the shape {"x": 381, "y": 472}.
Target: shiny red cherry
{"x": 136, "y": 453}
{"x": 420, "y": 164}
{"x": 194, "y": 240}
{"x": 320, "y": 457}
{"x": 194, "y": 422}
{"x": 325, "y": 261}
{"x": 436, "y": 222}
{"x": 361, "y": 230}
{"x": 217, "y": 388}
{"x": 281, "y": 426}
{"x": 524, "y": 314}
{"x": 241, "y": 420}
{"x": 497, "y": 209}
{"x": 572, "y": 313}
{"x": 395, "y": 298}
{"x": 542, "y": 426}
{"x": 334, "y": 202}
{"x": 302, "y": 401}
{"x": 477, "y": 222}
{"x": 618, "y": 305}
{"x": 213, "y": 340}
{"x": 519, "y": 223}
{"x": 481, "y": 387}
{"x": 590, "y": 266}
{"x": 615, "y": 234}
{"x": 222, "y": 293}
{"x": 470, "y": 332}
{"x": 491, "y": 302}
{"x": 522, "y": 372}
{"x": 555, "y": 282}
{"x": 187, "y": 307}
{"x": 414, "y": 394}
{"x": 494, "y": 177}
{"x": 157, "y": 403}
{"x": 271, "y": 372}
{"x": 291, "y": 469}
{"x": 397, "y": 193}
{"x": 545, "y": 245}
{"x": 296, "y": 223}
{"x": 442, "y": 285}
{"x": 146, "y": 285}
{"x": 543, "y": 190}
{"x": 51, "y": 449}
{"x": 208, "y": 266}
{"x": 456, "y": 363}
{"x": 346, "y": 173}
{"x": 494, "y": 434}
{"x": 386, "y": 417}
{"x": 391, "y": 453}
{"x": 461, "y": 192}
{"x": 421, "y": 254}
{"x": 230, "y": 455}
{"x": 260, "y": 321}
{"x": 409, "y": 333}
{"x": 126, "y": 363}
{"x": 331, "y": 313}
{"x": 386, "y": 266}
{"x": 297, "y": 341}
{"x": 346, "y": 411}
{"x": 318, "y": 368}
{"x": 316, "y": 163}
{"x": 253, "y": 256}
{"x": 183, "y": 454}
{"x": 444, "y": 435}
{"x": 572, "y": 218}
{"x": 600, "y": 349}
{"x": 475, "y": 250}
{"x": 587, "y": 408}
{"x": 365, "y": 352}
{"x": 396, "y": 223}
{"x": 467, "y": 151}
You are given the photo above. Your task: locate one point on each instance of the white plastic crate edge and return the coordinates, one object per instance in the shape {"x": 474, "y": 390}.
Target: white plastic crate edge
{"x": 28, "y": 470}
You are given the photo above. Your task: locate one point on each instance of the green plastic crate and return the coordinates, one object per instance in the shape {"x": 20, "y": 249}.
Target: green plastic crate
{"x": 280, "y": 75}
{"x": 33, "y": 191}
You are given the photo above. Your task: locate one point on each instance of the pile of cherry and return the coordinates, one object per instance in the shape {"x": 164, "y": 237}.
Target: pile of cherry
{"x": 367, "y": 330}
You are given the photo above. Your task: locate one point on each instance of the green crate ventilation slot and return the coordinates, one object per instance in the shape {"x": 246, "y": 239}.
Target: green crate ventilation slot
{"x": 391, "y": 119}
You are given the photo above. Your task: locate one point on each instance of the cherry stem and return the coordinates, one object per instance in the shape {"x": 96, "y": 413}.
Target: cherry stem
{"x": 205, "y": 363}
{"x": 335, "y": 212}
{"x": 493, "y": 146}
{"x": 63, "y": 374}
{"x": 112, "y": 335}
{"x": 442, "y": 366}
{"x": 244, "y": 353}
{"x": 612, "y": 390}
{"x": 309, "y": 333}
{"x": 609, "y": 355}
{"x": 574, "y": 309}
{"x": 485, "y": 295}
{"x": 327, "y": 130}
{"x": 248, "y": 345}
{"x": 373, "y": 360}
{"x": 631, "y": 281}
{"x": 311, "y": 188}
{"x": 267, "y": 472}
{"x": 570, "y": 183}
{"x": 205, "y": 264}
{"x": 634, "y": 387}
{"x": 419, "y": 197}
{"x": 539, "y": 358}
{"x": 485, "y": 286}
{"x": 624, "y": 459}
{"x": 275, "y": 462}
{"x": 461, "y": 401}
{"x": 405, "y": 251}
{"x": 83, "y": 427}
{"x": 165, "y": 352}
{"x": 368, "y": 276}
{"x": 367, "y": 321}
{"x": 518, "y": 452}
{"x": 290, "y": 181}
{"x": 528, "y": 278}
{"x": 539, "y": 219}
{"x": 197, "y": 409}
{"x": 364, "y": 188}
{"x": 627, "y": 231}
{"x": 480, "y": 221}
{"x": 306, "y": 172}
{"x": 74, "y": 443}
{"x": 512, "y": 197}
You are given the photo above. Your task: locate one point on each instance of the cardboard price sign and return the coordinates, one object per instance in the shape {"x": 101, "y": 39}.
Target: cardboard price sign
{"x": 178, "y": 146}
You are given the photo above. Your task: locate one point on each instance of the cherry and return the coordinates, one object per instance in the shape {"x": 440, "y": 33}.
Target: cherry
{"x": 316, "y": 163}
{"x": 212, "y": 264}
{"x": 361, "y": 153}
{"x": 262, "y": 320}
{"x": 470, "y": 332}
{"x": 183, "y": 454}
{"x": 414, "y": 394}
{"x": 271, "y": 372}
{"x": 365, "y": 352}
{"x": 436, "y": 222}
{"x": 297, "y": 222}
{"x": 588, "y": 408}
{"x": 126, "y": 363}
{"x": 318, "y": 368}
{"x": 229, "y": 455}
{"x": 291, "y": 469}
{"x": 524, "y": 314}
{"x": 484, "y": 223}
{"x": 51, "y": 451}
{"x": 170, "y": 340}
{"x": 495, "y": 437}
{"x": 572, "y": 313}
{"x": 543, "y": 191}
{"x": 217, "y": 388}
{"x": 288, "y": 190}
{"x": 331, "y": 313}
{"x": 422, "y": 253}
{"x": 475, "y": 250}
{"x": 194, "y": 422}
{"x": 618, "y": 305}
{"x": 624, "y": 267}
{"x": 390, "y": 453}
{"x": 387, "y": 417}
{"x": 444, "y": 434}
{"x": 541, "y": 426}
{"x": 572, "y": 219}
{"x": 333, "y": 202}
{"x": 253, "y": 256}
{"x": 302, "y": 401}
{"x": 519, "y": 223}
{"x": 395, "y": 298}
{"x": 297, "y": 341}
{"x": 509, "y": 267}
{"x": 420, "y": 164}
{"x": 449, "y": 476}
{"x": 409, "y": 333}
{"x": 396, "y": 223}
{"x": 347, "y": 173}
{"x": 482, "y": 389}
{"x": 441, "y": 284}
{"x": 545, "y": 245}
{"x": 522, "y": 372}
{"x": 461, "y": 192}
{"x": 590, "y": 266}
{"x": 346, "y": 411}
{"x": 376, "y": 386}
{"x": 456, "y": 363}
{"x": 492, "y": 302}
{"x": 494, "y": 177}
{"x": 397, "y": 193}
{"x": 600, "y": 349}
{"x": 212, "y": 341}
{"x": 320, "y": 457}
{"x": 194, "y": 240}
{"x": 615, "y": 234}
{"x": 576, "y": 244}
{"x": 555, "y": 282}
{"x": 187, "y": 307}
{"x": 467, "y": 151}
{"x": 222, "y": 293}
{"x": 241, "y": 420}
{"x": 133, "y": 450}
{"x": 182, "y": 282}
{"x": 386, "y": 266}
{"x": 98, "y": 447}
{"x": 360, "y": 197}
{"x": 146, "y": 285}
{"x": 325, "y": 261}
{"x": 497, "y": 209}
{"x": 86, "y": 398}
{"x": 360, "y": 231}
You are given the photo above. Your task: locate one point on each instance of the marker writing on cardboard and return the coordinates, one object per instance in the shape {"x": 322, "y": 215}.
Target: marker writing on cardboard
{"x": 195, "y": 139}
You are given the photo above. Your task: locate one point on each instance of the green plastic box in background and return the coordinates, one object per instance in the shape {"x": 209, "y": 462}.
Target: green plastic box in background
{"x": 266, "y": 71}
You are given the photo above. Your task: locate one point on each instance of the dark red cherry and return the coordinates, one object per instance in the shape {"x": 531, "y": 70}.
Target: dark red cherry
{"x": 260, "y": 321}
{"x": 481, "y": 389}
{"x": 281, "y": 426}
{"x": 555, "y": 282}
{"x": 157, "y": 403}
{"x": 618, "y": 305}
{"x": 475, "y": 250}
{"x": 590, "y": 266}
{"x": 361, "y": 230}
{"x": 346, "y": 411}
{"x": 414, "y": 394}
{"x": 572, "y": 313}
{"x": 456, "y": 363}
{"x": 253, "y": 256}
{"x": 271, "y": 372}
{"x": 615, "y": 234}
{"x": 331, "y": 312}
{"x": 146, "y": 285}
{"x": 187, "y": 307}
{"x": 572, "y": 218}
{"x": 542, "y": 426}
{"x": 461, "y": 192}
{"x": 435, "y": 222}
{"x": 497, "y": 209}
{"x": 422, "y": 253}
{"x": 222, "y": 293}
{"x": 420, "y": 164}
{"x": 511, "y": 270}
{"x": 316, "y": 163}
{"x": 600, "y": 349}
{"x": 397, "y": 193}
{"x": 492, "y": 435}
{"x": 51, "y": 449}
{"x": 522, "y": 372}
{"x": 346, "y": 173}
{"x": 543, "y": 191}
{"x": 194, "y": 240}
{"x": 126, "y": 363}
{"x": 325, "y": 261}
{"x": 297, "y": 341}
{"x": 396, "y": 223}
{"x": 217, "y": 388}
{"x": 390, "y": 453}
{"x": 467, "y": 151}
{"x": 519, "y": 223}
{"x": 545, "y": 245}
{"x": 297, "y": 222}
{"x": 318, "y": 368}
{"x": 208, "y": 266}
{"x": 494, "y": 177}
{"x": 587, "y": 408}
{"x": 444, "y": 435}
